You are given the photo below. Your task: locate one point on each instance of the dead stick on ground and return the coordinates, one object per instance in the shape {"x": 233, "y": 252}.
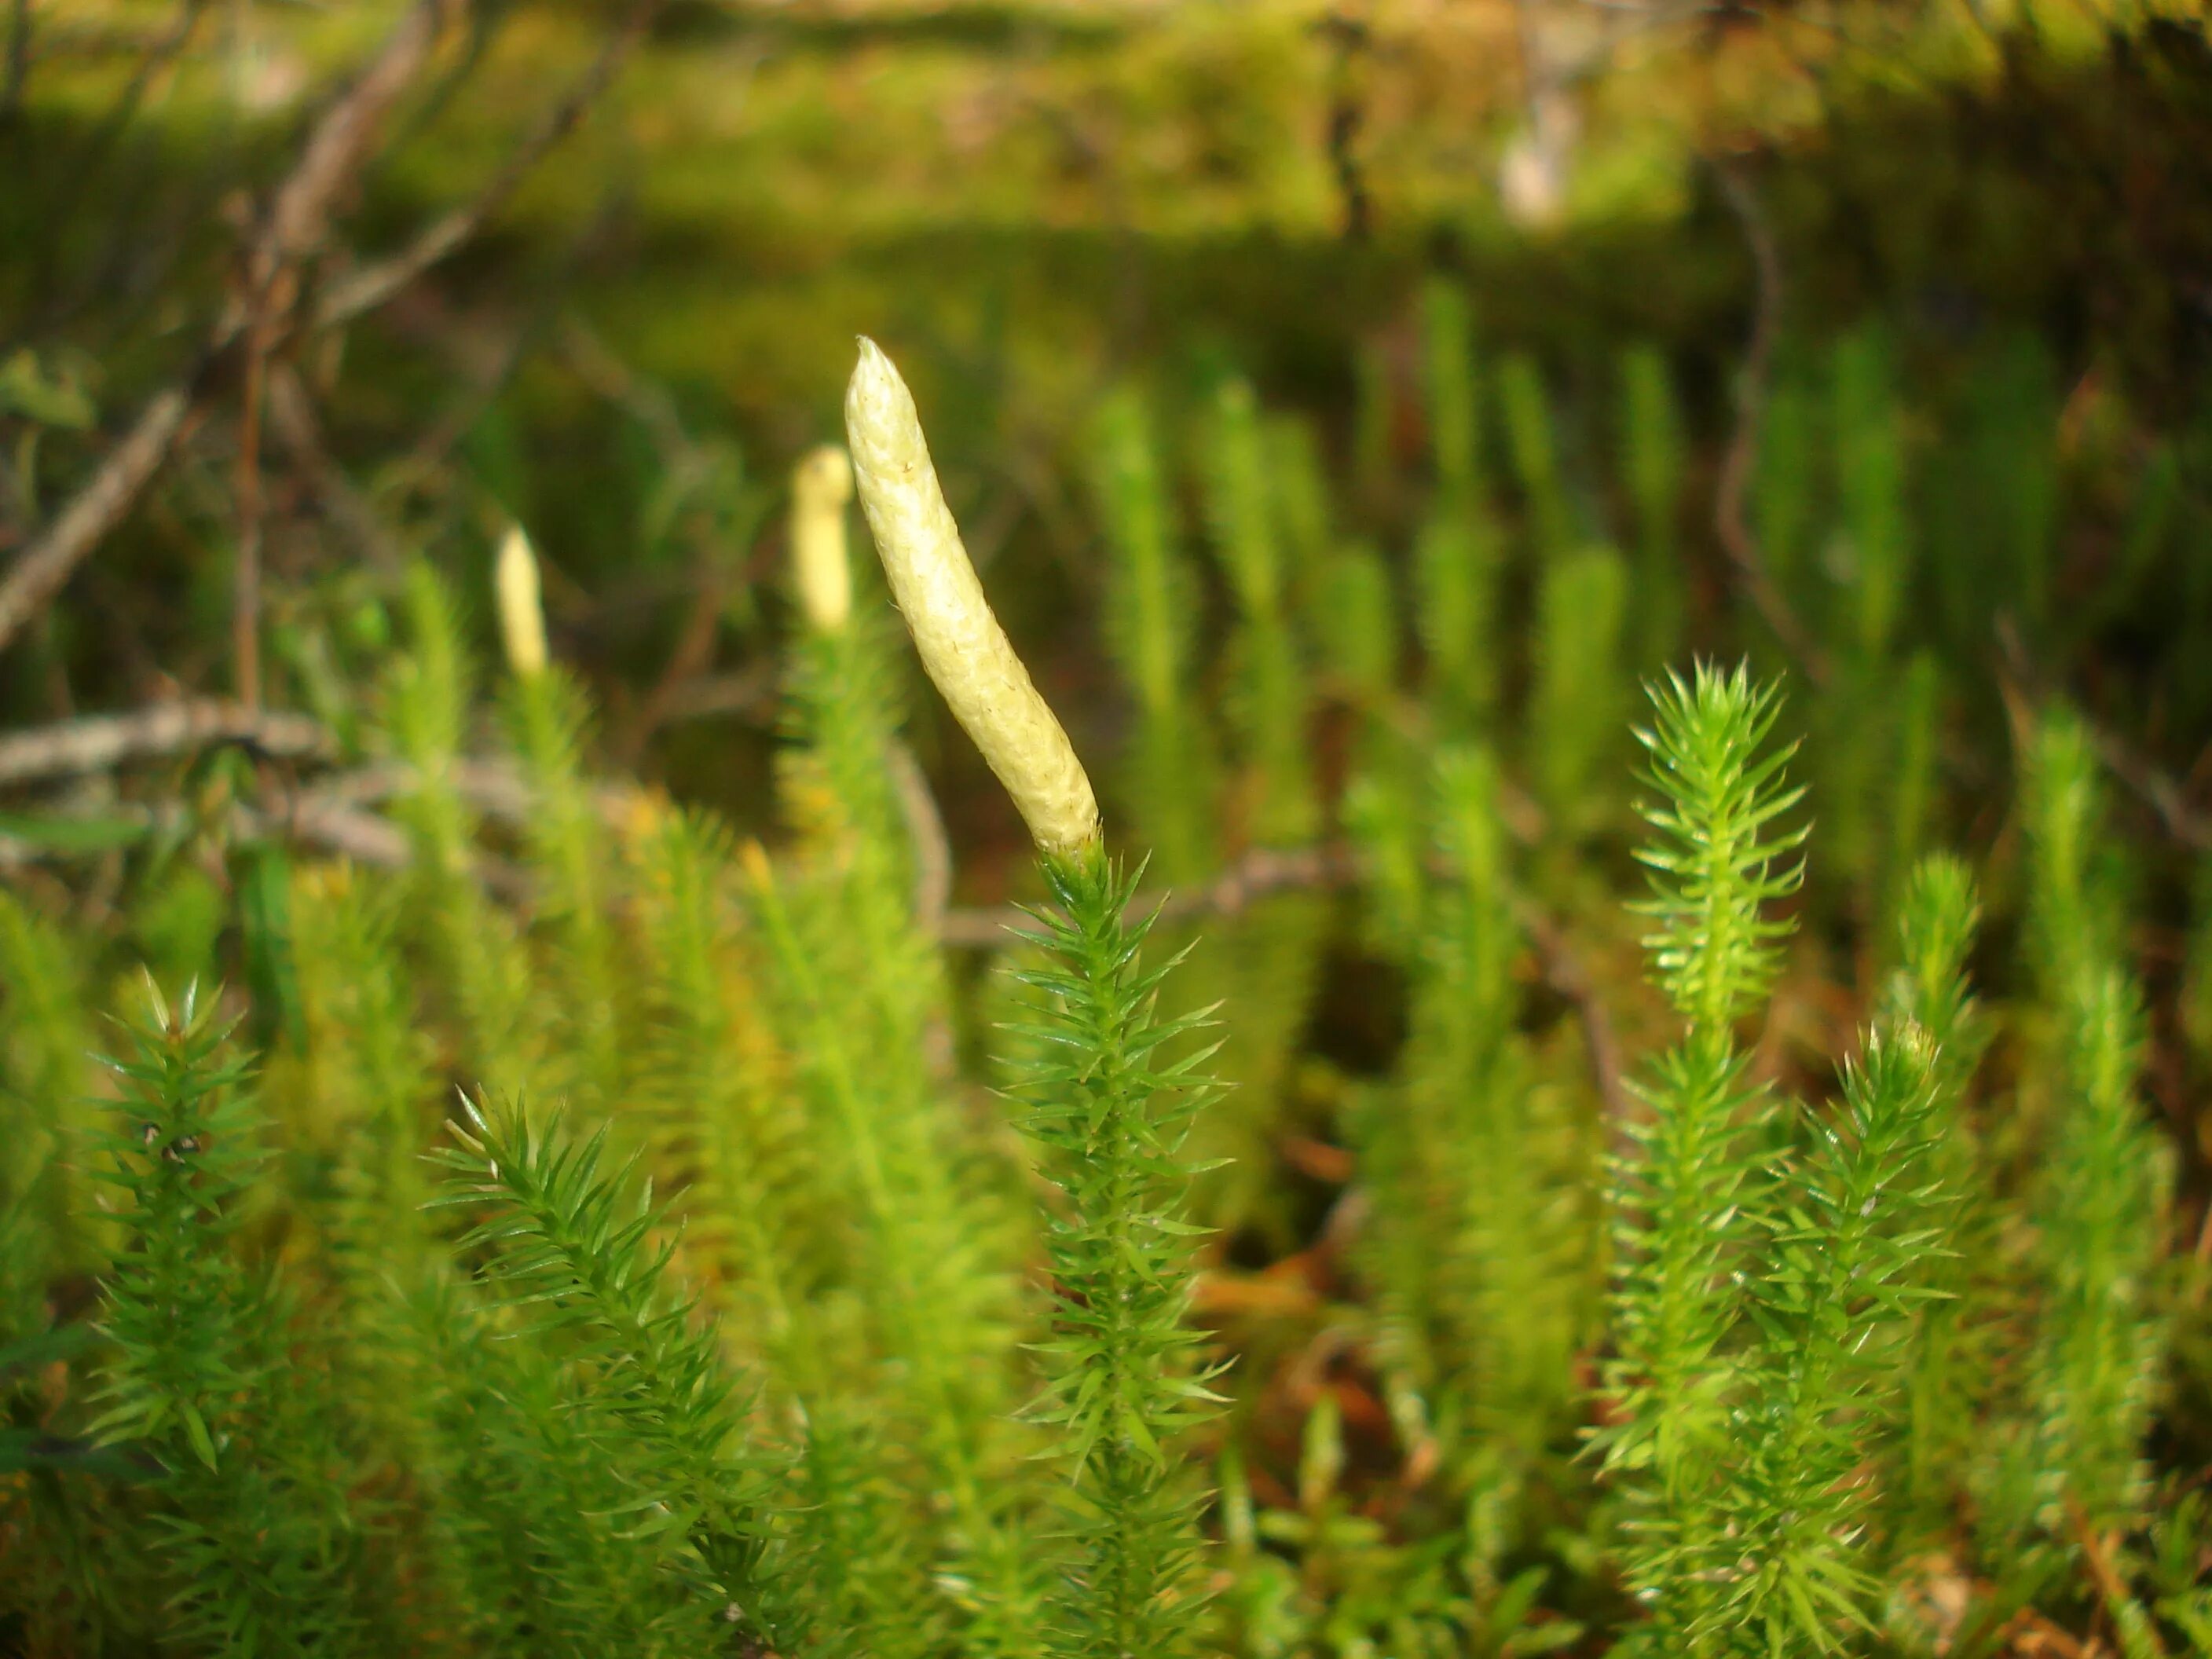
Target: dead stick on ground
{"x": 245, "y": 579}
{"x": 1253, "y": 877}
{"x": 97, "y": 743}
{"x": 1741, "y": 459}
{"x": 2110, "y": 1586}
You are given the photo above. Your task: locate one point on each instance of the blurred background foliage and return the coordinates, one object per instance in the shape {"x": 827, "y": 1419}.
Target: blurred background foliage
{"x": 1323, "y": 390}
{"x": 1027, "y": 200}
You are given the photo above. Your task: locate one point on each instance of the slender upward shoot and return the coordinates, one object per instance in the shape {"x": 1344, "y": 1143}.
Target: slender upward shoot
{"x": 961, "y": 646}
{"x": 521, "y": 608}
{"x": 821, "y": 484}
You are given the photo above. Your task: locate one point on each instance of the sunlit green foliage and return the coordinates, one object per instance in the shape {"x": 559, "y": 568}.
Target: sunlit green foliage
{"x": 754, "y": 1322}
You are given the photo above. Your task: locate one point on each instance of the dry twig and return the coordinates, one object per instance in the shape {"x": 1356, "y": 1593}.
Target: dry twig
{"x": 1266, "y": 871}
{"x": 925, "y": 829}
{"x": 1742, "y": 457}
{"x": 1258, "y": 874}
{"x": 99, "y": 743}
{"x": 369, "y": 285}
{"x": 260, "y": 310}
{"x": 95, "y": 509}
{"x": 291, "y": 232}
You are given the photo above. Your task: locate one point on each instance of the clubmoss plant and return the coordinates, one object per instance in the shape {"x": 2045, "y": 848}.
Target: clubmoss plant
{"x": 44, "y": 1042}
{"x": 857, "y": 993}
{"x": 888, "y": 1370}
{"x": 1531, "y": 442}
{"x": 1482, "y": 1286}
{"x": 1762, "y": 1299}
{"x": 1949, "y": 1371}
{"x": 581, "y": 1262}
{"x": 248, "y": 1538}
{"x": 1457, "y": 557}
{"x": 566, "y": 838}
{"x": 2068, "y": 1466}
{"x": 1108, "y": 1104}
{"x": 1580, "y": 692}
{"x": 1689, "y": 1196}
{"x": 1449, "y": 383}
{"x": 1173, "y": 780}
{"x": 1273, "y": 802}
{"x": 428, "y": 692}
{"x": 1456, "y": 570}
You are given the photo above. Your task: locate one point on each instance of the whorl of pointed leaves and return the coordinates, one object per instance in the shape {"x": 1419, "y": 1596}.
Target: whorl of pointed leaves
{"x": 248, "y": 1536}
{"x": 1110, "y": 1102}
{"x": 1688, "y": 1196}
{"x": 574, "y": 1257}
{"x": 1951, "y": 1363}
{"x": 1937, "y": 925}
{"x": 1718, "y": 861}
{"x": 1846, "y": 1266}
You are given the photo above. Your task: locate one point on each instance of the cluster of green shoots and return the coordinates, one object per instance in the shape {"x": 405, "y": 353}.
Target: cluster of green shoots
{"x": 640, "y": 1268}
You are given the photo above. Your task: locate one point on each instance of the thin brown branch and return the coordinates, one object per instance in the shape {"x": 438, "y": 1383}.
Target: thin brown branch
{"x": 245, "y": 574}
{"x": 1257, "y": 875}
{"x": 292, "y": 231}
{"x": 749, "y": 693}
{"x": 925, "y": 828}
{"x": 2111, "y": 1588}
{"x": 2159, "y": 791}
{"x": 370, "y": 286}
{"x": 94, "y": 510}
{"x": 99, "y": 743}
{"x": 318, "y": 820}
{"x": 158, "y": 55}
{"x": 292, "y": 416}
{"x": 693, "y": 655}
{"x": 599, "y": 366}
{"x": 1741, "y": 459}
{"x": 1266, "y": 872}
{"x": 299, "y": 213}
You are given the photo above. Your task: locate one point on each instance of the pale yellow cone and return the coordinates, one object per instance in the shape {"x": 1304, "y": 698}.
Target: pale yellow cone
{"x": 821, "y": 484}
{"x": 521, "y": 606}
{"x": 961, "y": 646}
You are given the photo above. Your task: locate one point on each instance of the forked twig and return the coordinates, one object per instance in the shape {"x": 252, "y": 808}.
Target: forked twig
{"x": 259, "y": 311}
{"x": 294, "y": 228}
{"x": 369, "y": 285}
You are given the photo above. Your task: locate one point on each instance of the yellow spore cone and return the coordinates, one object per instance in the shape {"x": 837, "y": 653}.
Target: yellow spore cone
{"x": 821, "y": 484}
{"x": 962, "y": 648}
{"x": 521, "y": 606}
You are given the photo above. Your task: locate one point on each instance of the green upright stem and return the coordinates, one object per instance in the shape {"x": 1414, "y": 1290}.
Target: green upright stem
{"x": 1110, "y": 1113}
